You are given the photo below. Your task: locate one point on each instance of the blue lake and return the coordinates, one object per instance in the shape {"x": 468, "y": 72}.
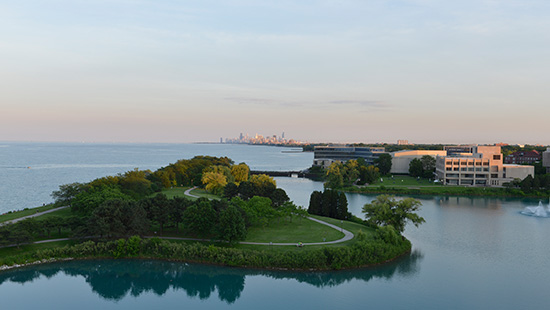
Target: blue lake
{"x": 472, "y": 253}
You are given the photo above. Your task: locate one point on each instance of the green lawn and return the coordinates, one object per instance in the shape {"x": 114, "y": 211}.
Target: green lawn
{"x": 203, "y": 193}
{"x": 64, "y": 213}
{"x": 18, "y": 214}
{"x": 300, "y": 230}
{"x": 29, "y": 248}
{"x": 180, "y": 192}
{"x": 174, "y": 192}
{"x": 404, "y": 180}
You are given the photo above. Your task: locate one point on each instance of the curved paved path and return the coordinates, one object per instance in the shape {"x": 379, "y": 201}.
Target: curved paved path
{"x": 348, "y": 235}
{"x": 188, "y": 192}
{"x": 32, "y": 215}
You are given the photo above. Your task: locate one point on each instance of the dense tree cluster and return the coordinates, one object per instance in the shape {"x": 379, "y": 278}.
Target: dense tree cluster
{"x": 110, "y": 207}
{"x": 423, "y": 167}
{"x": 532, "y": 185}
{"x": 352, "y": 172}
{"x": 330, "y": 203}
{"x": 384, "y": 162}
{"x": 187, "y": 172}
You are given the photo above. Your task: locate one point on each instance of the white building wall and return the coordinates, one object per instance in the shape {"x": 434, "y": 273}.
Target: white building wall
{"x": 402, "y": 159}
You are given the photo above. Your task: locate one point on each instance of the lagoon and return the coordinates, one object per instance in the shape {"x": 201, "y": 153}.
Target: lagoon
{"x": 472, "y": 253}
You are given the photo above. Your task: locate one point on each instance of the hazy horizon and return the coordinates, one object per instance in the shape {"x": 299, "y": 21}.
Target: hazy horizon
{"x": 426, "y": 71}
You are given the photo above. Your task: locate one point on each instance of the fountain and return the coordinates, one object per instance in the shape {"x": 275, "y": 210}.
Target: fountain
{"x": 538, "y": 211}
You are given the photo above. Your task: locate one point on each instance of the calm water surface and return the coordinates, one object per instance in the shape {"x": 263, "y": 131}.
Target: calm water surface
{"x": 472, "y": 253}
{"x": 30, "y": 172}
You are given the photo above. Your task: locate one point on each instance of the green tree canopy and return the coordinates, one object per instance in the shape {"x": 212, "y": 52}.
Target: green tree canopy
{"x": 232, "y": 226}
{"x": 415, "y": 168}
{"x": 384, "y": 163}
{"x": 85, "y": 202}
{"x": 385, "y": 210}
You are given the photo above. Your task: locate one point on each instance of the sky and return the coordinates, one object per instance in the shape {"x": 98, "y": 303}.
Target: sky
{"x": 427, "y": 71}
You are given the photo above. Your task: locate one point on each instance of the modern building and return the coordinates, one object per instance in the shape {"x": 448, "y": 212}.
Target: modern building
{"x": 523, "y": 157}
{"x": 478, "y": 166}
{"x": 401, "y": 160}
{"x": 546, "y": 160}
{"x": 326, "y": 155}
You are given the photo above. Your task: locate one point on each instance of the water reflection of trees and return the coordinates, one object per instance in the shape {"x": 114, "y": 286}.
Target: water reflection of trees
{"x": 116, "y": 279}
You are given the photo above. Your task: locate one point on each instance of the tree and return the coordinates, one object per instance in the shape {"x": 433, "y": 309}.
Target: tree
{"x": 428, "y": 166}
{"x": 330, "y": 203}
{"x": 85, "y": 202}
{"x": 106, "y": 220}
{"x": 247, "y": 190}
{"x": 315, "y": 202}
{"x": 200, "y": 218}
{"x": 279, "y": 197}
{"x": 135, "y": 183}
{"x": 230, "y": 190}
{"x": 226, "y": 171}
{"x": 264, "y": 184}
{"x": 384, "y": 162}
{"x": 351, "y": 171}
{"x": 368, "y": 174}
{"x": 240, "y": 172}
{"x": 259, "y": 210}
{"x": 232, "y": 226}
{"x": 67, "y": 192}
{"x": 386, "y": 211}
{"x": 179, "y": 205}
{"x": 159, "y": 209}
{"x": 335, "y": 179}
{"x": 214, "y": 181}
{"x": 415, "y": 168}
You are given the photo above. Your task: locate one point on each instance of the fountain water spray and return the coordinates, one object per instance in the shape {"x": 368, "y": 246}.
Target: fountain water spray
{"x": 538, "y": 211}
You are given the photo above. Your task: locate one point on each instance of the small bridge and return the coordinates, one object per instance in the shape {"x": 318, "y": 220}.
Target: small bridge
{"x": 294, "y": 174}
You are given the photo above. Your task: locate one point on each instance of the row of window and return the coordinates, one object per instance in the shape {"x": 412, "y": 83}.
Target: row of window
{"x": 464, "y": 163}
{"x": 467, "y": 169}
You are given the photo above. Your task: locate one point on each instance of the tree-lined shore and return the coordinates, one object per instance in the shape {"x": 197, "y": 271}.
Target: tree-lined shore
{"x": 118, "y": 212}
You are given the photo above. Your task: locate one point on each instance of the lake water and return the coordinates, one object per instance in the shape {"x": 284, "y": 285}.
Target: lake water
{"x": 472, "y": 253}
{"x": 30, "y": 172}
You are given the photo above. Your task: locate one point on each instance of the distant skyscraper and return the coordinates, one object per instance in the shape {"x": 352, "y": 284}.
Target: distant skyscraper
{"x": 283, "y": 136}
{"x": 241, "y": 136}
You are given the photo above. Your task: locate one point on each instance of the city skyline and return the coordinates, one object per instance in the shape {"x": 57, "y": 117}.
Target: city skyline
{"x": 473, "y": 71}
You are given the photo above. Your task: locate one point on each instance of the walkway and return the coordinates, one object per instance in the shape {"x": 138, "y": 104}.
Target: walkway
{"x": 32, "y": 215}
{"x": 188, "y": 192}
{"x": 348, "y": 235}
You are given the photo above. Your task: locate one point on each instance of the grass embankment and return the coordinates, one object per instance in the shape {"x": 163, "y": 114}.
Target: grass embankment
{"x": 299, "y": 230}
{"x": 406, "y": 185}
{"x": 371, "y": 250}
{"x": 180, "y": 192}
{"x": 12, "y": 215}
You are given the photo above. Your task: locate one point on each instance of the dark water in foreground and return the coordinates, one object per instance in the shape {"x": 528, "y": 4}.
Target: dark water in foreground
{"x": 472, "y": 253}
{"x": 131, "y": 284}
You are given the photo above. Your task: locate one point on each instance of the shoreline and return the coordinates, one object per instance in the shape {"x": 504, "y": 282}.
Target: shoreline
{"x": 58, "y": 260}
{"x": 419, "y": 192}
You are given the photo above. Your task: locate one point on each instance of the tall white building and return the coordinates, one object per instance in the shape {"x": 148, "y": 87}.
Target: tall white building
{"x": 478, "y": 166}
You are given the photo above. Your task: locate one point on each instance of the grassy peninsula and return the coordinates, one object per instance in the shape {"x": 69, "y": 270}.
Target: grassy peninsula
{"x": 237, "y": 220}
